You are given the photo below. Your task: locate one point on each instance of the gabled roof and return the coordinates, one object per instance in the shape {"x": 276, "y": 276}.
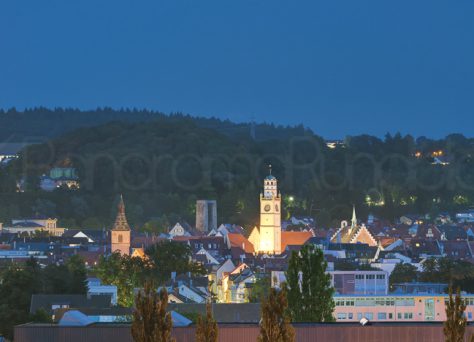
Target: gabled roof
{"x": 456, "y": 249}
{"x": 349, "y": 234}
{"x": 224, "y": 313}
{"x": 91, "y": 257}
{"x": 428, "y": 231}
{"x": 240, "y": 241}
{"x": 426, "y": 247}
{"x": 386, "y": 241}
{"x": 294, "y": 239}
{"x": 453, "y": 232}
{"x": 45, "y": 301}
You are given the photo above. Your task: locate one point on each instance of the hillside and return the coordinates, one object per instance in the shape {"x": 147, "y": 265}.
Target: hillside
{"x": 43, "y": 124}
{"x": 163, "y": 165}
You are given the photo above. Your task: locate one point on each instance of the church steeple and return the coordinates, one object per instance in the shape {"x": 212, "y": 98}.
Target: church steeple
{"x": 121, "y": 219}
{"x": 120, "y": 234}
{"x": 270, "y": 185}
{"x": 354, "y": 217}
{"x": 269, "y": 236}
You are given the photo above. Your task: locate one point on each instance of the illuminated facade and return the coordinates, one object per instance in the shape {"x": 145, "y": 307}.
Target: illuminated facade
{"x": 120, "y": 233}
{"x": 268, "y": 238}
{"x": 395, "y": 308}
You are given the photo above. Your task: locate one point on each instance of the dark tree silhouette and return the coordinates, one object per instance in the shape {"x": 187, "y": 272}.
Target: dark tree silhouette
{"x": 206, "y": 329}
{"x": 455, "y": 324}
{"x": 275, "y": 323}
{"x": 151, "y": 322}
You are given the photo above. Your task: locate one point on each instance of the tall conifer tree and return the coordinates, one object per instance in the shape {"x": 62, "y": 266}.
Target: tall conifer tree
{"x": 455, "y": 324}
{"x": 309, "y": 287}
{"x": 151, "y": 322}
{"x": 275, "y": 323}
{"x": 206, "y": 329}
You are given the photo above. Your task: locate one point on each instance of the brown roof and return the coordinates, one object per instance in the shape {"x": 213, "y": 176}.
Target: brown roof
{"x": 294, "y": 238}
{"x": 348, "y": 233}
{"x": 240, "y": 241}
{"x": 387, "y": 241}
{"x": 121, "y": 220}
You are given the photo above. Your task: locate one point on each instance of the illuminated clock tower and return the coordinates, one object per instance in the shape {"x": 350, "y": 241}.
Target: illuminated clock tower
{"x": 270, "y": 216}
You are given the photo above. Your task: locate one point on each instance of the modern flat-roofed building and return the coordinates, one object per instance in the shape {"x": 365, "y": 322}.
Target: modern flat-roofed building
{"x": 349, "y": 282}
{"x": 360, "y": 282}
{"x": 396, "y": 308}
{"x": 419, "y": 288}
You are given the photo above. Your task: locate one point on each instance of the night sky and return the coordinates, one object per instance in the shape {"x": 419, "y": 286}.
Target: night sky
{"x": 337, "y": 66}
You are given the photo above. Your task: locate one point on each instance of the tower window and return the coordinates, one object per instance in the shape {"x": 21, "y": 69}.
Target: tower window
{"x": 120, "y": 238}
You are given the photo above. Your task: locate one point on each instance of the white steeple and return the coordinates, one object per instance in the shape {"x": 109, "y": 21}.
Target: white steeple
{"x": 354, "y": 217}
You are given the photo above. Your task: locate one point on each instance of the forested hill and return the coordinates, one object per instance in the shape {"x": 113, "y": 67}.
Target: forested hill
{"x": 42, "y": 124}
{"x": 163, "y": 165}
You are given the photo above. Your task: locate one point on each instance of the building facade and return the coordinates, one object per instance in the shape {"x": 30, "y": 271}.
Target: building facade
{"x": 394, "y": 308}
{"x": 360, "y": 282}
{"x": 267, "y": 239}
{"x": 120, "y": 233}
{"x": 206, "y": 215}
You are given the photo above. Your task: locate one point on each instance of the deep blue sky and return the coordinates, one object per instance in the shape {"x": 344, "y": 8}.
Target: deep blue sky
{"x": 337, "y": 66}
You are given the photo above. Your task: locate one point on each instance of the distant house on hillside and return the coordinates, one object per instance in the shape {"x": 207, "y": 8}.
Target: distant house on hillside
{"x": 59, "y": 177}
{"x": 9, "y": 151}
{"x": 34, "y": 224}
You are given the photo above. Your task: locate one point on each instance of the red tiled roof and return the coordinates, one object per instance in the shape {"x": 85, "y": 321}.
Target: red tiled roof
{"x": 240, "y": 241}
{"x": 294, "y": 238}
{"x": 387, "y": 241}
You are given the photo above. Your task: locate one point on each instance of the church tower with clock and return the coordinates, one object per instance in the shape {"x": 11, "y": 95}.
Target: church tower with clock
{"x": 270, "y": 216}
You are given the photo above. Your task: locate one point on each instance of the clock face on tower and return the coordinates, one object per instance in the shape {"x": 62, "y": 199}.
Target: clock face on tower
{"x": 267, "y": 207}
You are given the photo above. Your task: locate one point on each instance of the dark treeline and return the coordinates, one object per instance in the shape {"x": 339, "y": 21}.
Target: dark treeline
{"x": 20, "y": 282}
{"x": 41, "y": 124}
{"x": 163, "y": 165}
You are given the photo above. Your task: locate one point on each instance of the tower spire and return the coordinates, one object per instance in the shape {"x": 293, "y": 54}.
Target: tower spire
{"x": 354, "y": 217}
{"x": 121, "y": 219}
{"x": 270, "y": 169}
